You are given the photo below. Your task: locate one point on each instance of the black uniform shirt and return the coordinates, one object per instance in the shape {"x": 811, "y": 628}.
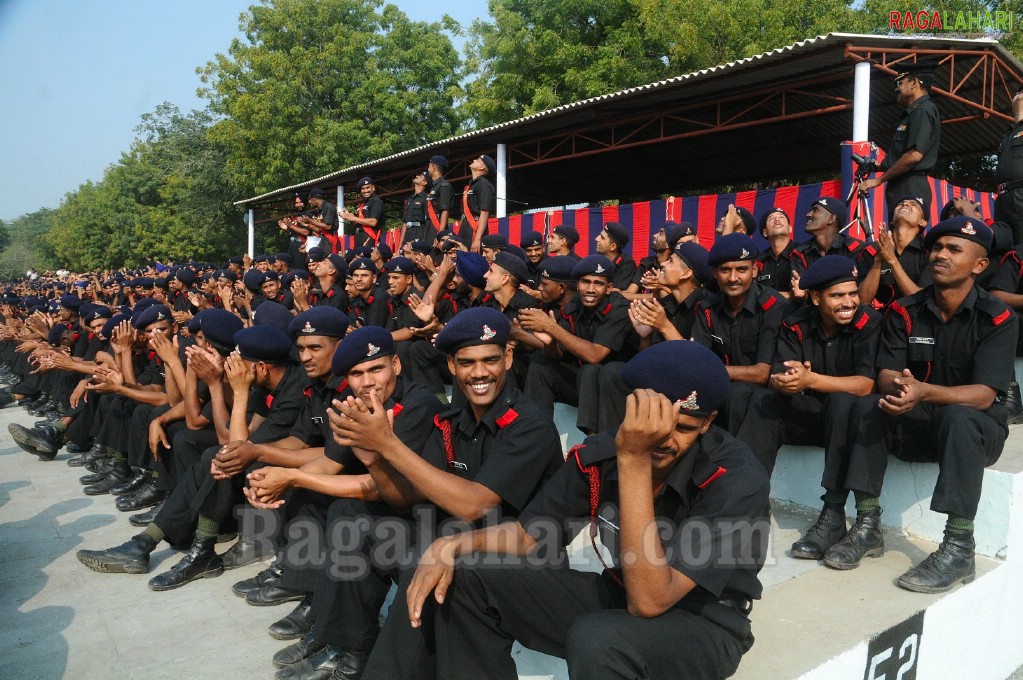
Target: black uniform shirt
{"x": 607, "y": 325}
{"x": 312, "y": 426}
{"x": 414, "y": 209}
{"x": 441, "y": 196}
{"x": 284, "y": 404}
{"x": 714, "y": 506}
{"x": 371, "y": 311}
{"x": 915, "y": 260}
{"x": 920, "y": 129}
{"x": 646, "y": 264}
{"x": 851, "y": 351}
{"x": 414, "y": 409}
{"x": 682, "y": 315}
{"x": 328, "y": 215}
{"x": 1010, "y": 156}
{"x": 399, "y": 314}
{"x": 512, "y": 451}
{"x": 751, "y": 336}
{"x": 625, "y": 272}
{"x": 480, "y": 196}
{"x": 335, "y": 297}
{"x": 776, "y": 272}
{"x": 975, "y": 347}
{"x": 807, "y": 253}
{"x": 520, "y": 300}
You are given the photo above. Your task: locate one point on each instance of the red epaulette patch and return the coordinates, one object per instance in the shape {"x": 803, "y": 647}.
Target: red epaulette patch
{"x": 1001, "y": 318}
{"x": 767, "y": 304}
{"x": 269, "y": 400}
{"x": 91, "y": 336}
{"x": 720, "y": 471}
{"x": 606, "y": 310}
{"x": 872, "y": 250}
{"x": 852, "y": 245}
{"x": 152, "y": 353}
{"x": 901, "y": 311}
{"x": 507, "y": 419}
{"x": 795, "y": 329}
{"x": 398, "y": 408}
{"x": 330, "y": 293}
{"x": 862, "y": 322}
{"x": 308, "y": 392}
{"x": 343, "y": 386}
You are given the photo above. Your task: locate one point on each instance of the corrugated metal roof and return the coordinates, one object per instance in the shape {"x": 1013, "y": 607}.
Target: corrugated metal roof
{"x": 819, "y": 44}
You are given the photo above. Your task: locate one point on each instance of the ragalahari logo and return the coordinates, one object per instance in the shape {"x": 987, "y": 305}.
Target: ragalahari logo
{"x": 932, "y": 20}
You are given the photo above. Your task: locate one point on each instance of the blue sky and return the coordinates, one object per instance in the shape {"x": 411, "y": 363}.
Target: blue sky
{"x": 77, "y": 76}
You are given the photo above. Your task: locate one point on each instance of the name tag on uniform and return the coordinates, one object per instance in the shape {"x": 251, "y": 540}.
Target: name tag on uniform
{"x": 920, "y": 341}
{"x": 764, "y": 277}
{"x": 459, "y": 466}
{"x": 717, "y": 339}
{"x": 318, "y": 420}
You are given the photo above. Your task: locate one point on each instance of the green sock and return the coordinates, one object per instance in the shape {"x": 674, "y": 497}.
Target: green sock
{"x": 154, "y": 474}
{"x": 207, "y": 528}
{"x": 117, "y": 455}
{"x": 959, "y": 525}
{"x": 865, "y": 502}
{"x": 154, "y": 532}
{"x": 60, "y": 427}
{"x": 835, "y": 498}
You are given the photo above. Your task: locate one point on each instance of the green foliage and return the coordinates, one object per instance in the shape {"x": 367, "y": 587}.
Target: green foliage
{"x": 317, "y": 85}
{"x": 26, "y": 248}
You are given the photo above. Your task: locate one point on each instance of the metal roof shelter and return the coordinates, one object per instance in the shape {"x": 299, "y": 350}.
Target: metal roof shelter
{"x": 777, "y": 115}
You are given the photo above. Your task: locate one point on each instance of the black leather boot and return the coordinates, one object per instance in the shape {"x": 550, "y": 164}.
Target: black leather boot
{"x": 145, "y": 496}
{"x": 139, "y": 478}
{"x": 864, "y": 539}
{"x": 351, "y": 667}
{"x": 128, "y": 558}
{"x": 246, "y": 551}
{"x": 826, "y": 532}
{"x": 951, "y": 563}
{"x": 295, "y": 624}
{"x": 268, "y": 576}
{"x": 101, "y": 472}
{"x": 119, "y": 474}
{"x": 43, "y": 441}
{"x": 317, "y": 666}
{"x": 145, "y": 518}
{"x": 201, "y": 561}
{"x": 1014, "y": 403}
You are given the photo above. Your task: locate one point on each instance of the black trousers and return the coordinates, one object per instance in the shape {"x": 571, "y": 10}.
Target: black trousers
{"x": 731, "y": 414}
{"x": 113, "y": 432}
{"x": 962, "y": 440}
{"x": 82, "y": 417}
{"x": 197, "y": 493}
{"x": 137, "y": 447}
{"x": 579, "y": 616}
{"x": 773, "y": 419}
{"x": 1009, "y": 209}
{"x": 301, "y": 523}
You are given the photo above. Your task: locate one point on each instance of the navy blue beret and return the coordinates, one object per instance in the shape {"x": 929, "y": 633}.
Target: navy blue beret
{"x": 285, "y": 257}
{"x": 695, "y": 256}
{"x": 969, "y": 228}
{"x": 567, "y": 232}
{"x": 362, "y": 263}
{"x": 96, "y": 312}
{"x": 919, "y": 200}
{"x": 733, "y": 247}
{"x": 672, "y": 233}
{"x": 219, "y": 326}
{"x": 617, "y": 233}
{"x": 517, "y": 251}
{"x": 193, "y": 325}
{"x": 474, "y": 326}
{"x": 471, "y": 267}
{"x": 253, "y": 279}
{"x": 495, "y": 241}
{"x": 269, "y": 276}
{"x": 300, "y": 274}
{"x": 317, "y": 193}
{"x": 56, "y": 334}
{"x": 828, "y": 271}
{"x": 451, "y": 244}
{"x": 362, "y": 344}
{"x": 263, "y": 343}
{"x": 363, "y": 182}
{"x": 682, "y": 371}
{"x": 72, "y": 302}
{"x": 326, "y": 321}
{"x": 112, "y": 323}
{"x": 421, "y": 246}
{"x": 185, "y": 276}
{"x": 274, "y": 314}
{"x": 491, "y": 165}
{"x": 151, "y": 315}
{"x": 513, "y": 265}
{"x": 146, "y": 283}
{"x": 362, "y": 251}
{"x": 772, "y": 211}
{"x": 161, "y": 282}
{"x": 833, "y": 205}
{"x": 530, "y": 239}
{"x": 260, "y": 258}
{"x": 400, "y": 265}
{"x": 339, "y": 264}
{"x": 385, "y": 251}
{"x": 316, "y": 254}
{"x": 749, "y": 223}
{"x": 37, "y": 308}
{"x": 236, "y": 259}
{"x": 144, "y": 304}
{"x": 598, "y": 265}
{"x": 439, "y": 161}
{"x": 558, "y": 268}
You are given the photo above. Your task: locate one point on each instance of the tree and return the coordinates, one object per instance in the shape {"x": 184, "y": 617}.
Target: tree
{"x": 317, "y": 85}
{"x": 27, "y": 247}
{"x": 5, "y": 236}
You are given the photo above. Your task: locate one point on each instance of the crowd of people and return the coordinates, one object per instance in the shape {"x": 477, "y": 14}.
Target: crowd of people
{"x": 301, "y": 399}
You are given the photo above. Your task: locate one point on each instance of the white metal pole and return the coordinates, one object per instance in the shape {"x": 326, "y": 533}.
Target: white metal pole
{"x": 502, "y": 180}
{"x": 861, "y": 103}
{"x": 252, "y": 232}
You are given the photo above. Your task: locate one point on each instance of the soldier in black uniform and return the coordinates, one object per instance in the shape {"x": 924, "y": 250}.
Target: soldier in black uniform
{"x": 660, "y": 614}
{"x": 824, "y": 223}
{"x": 680, "y": 281}
{"x": 532, "y": 243}
{"x": 775, "y": 262}
{"x": 490, "y": 455}
{"x": 825, "y": 361}
{"x": 400, "y": 317}
{"x": 562, "y": 241}
{"x": 413, "y": 213}
{"x": 441, "y": 195}
{"x": 365, "y": 307}
{"x": 322, "y": 220}
{"x": 1009, "y": 173}
{"x": 740, "y": 323}
{"x": 610, "y": 243}
{"x": 945, "y": 362}
{"x": 479, "y": 202}
{"x": 367, "y": 222}
{"x": 297, "y": 234}
{"x": 591, "y": 331}
{"x": 901, "y": 265}
{"x": 914, "y": 148}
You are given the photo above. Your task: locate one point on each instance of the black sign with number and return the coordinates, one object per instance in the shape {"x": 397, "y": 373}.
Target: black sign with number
{"x": 893, "y": 654}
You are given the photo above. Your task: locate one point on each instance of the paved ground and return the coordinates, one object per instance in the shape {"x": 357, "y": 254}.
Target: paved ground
{"x": 61, "y": 620}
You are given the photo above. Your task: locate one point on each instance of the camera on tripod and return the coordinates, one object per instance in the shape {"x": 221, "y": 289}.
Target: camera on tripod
{"x": 865, "y": 166}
